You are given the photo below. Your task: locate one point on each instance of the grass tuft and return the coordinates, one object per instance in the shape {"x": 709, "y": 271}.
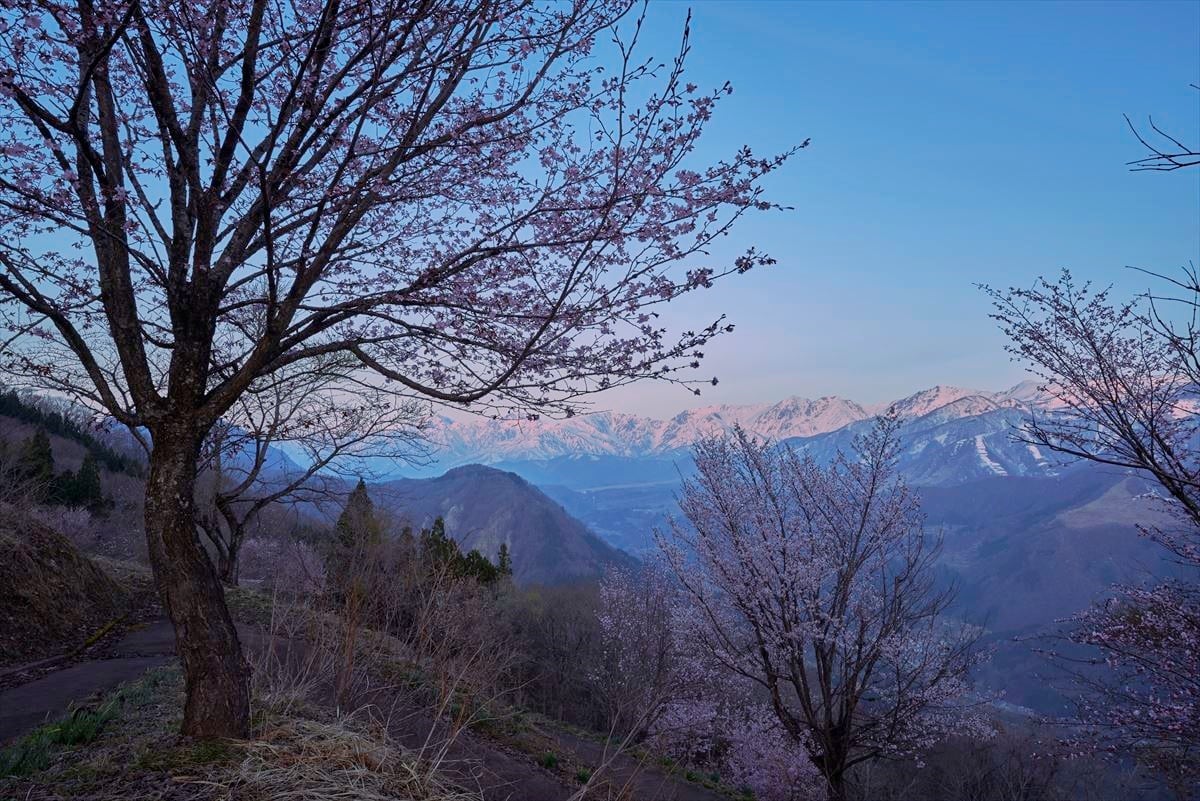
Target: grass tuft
{"x": 82, "y": 725}
{"x": 306, "y": 760}
{"x": 28, "y": 755}
{"x": 32, "y": 752}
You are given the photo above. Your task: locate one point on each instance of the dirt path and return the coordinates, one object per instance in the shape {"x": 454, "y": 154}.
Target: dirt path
{"x": 28, "y": 706}
{"x": 44, "y": 693}
{"x": 627, "y": 777}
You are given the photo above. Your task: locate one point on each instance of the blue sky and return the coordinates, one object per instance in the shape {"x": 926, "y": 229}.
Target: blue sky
{"x": 953, "y": 143}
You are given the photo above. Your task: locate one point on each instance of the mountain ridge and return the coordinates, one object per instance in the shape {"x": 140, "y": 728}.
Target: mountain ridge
{"x": 486, "y": 441}
{"x": 484, "y": 507}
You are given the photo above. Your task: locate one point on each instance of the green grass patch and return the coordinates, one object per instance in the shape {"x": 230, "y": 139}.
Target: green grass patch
{"x": 582, "y": 775}
{"x": 549, "y": 760}
{"x": 32, "y": 752}
{"x": 249, "y": 606}
{"x": 82, "y": 725}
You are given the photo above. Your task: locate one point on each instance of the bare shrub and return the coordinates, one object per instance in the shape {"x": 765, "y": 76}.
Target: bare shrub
{"x": 295, "y": 661}
{"x": 396, "y": 633}
{"x": 74, "y": 523}
{"x": 460, "y": 663}
{"x": 559, "y": 638}
{"x": 292, "y": 565}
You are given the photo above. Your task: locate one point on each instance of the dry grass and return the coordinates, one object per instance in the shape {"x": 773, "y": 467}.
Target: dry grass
{"x": 295, "y": 758}
{"x": 307, "y": 760}
{"x": 53, "y": 596}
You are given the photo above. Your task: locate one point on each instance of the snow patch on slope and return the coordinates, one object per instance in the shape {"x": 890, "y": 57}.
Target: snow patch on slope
{"x": 986, "y": 458}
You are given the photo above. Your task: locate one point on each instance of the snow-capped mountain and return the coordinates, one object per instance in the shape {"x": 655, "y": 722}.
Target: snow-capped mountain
{"x": 608, "y": 434}
{"x": 965, "y": 440}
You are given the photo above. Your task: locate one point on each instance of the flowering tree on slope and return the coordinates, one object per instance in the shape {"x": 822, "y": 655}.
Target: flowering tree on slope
{"x": 816, "y": 584}
{"x": 1127, "y": 378}
{"x": 197, "y": 196}
{"x": 658, "y": 686}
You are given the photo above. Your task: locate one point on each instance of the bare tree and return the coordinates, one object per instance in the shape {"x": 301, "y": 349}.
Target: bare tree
{"x": 1166, "y": 153}
{"x": 196, "y": 197}
{"x": 559, "y": 636}
{"x": 310, "y": 416}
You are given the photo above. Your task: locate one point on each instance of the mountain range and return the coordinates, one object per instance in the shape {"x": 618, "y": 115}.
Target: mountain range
{"x": 474, "y": 440}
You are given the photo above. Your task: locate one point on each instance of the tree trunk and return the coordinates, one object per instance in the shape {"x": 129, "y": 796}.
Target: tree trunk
{"x": 227, "y": 564}
{"x": 837, "y": 787}
{"x": 218, "y": 687}
{"x": 832, "y": 765}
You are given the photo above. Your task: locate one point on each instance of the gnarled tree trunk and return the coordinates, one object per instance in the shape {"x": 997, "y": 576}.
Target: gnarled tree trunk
{"x": 218, "y": 693}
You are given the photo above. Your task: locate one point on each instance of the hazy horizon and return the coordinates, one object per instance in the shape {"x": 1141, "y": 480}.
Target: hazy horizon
{"x": 989, "y": 147}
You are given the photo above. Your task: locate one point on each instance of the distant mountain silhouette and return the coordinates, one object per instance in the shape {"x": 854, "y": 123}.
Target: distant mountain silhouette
{"x": 484, "y": 507}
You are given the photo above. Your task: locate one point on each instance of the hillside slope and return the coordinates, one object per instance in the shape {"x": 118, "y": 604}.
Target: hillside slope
{"x": 484, "y": 507}
{"x": 53, "y": 596}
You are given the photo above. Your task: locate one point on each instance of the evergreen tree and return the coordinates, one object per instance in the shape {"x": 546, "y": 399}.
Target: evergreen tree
{"x": 504, "y": 561}
{"x": 478, "y": 567}
{"x": 357, "y": 524}
{"x": 61, "y": 491}
{"x": 351, "y": 563}
{"x": 35, "y": 462}
{"x": 85, "y": 488}
{"x": 440, "y": 549}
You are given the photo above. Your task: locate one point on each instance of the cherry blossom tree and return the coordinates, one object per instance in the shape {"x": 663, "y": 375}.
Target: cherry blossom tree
{"x": 638, "y": 667}
{"x": 1126, "y": 376}
{"x": 659, "y": 687}
{"x": 816, "y": 584}
{"x": 198, "y": 196}
{"x": 1126, "y": 380}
